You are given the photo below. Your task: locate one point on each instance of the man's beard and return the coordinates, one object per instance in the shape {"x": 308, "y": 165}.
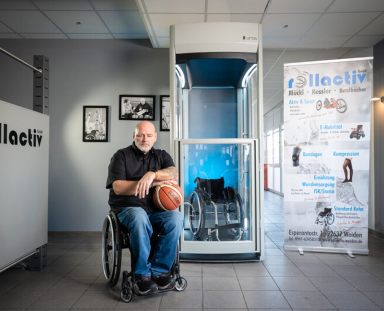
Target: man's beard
{"x": 144, "y": 149}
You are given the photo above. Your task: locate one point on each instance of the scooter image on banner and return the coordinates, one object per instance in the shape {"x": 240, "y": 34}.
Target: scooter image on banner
{"x": 340, "y": 104}
{"x": 357, "y": 133}
{"x": 296, "y": 156}
{"x": 325, "y": 217}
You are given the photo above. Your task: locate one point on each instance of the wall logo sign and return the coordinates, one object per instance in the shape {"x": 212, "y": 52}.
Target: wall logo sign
{"x": 31, "y": 138}
{"x": 248, "y": 38}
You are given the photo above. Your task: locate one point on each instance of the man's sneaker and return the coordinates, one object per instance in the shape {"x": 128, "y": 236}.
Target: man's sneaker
{"x": 164, "y": 281}
{"x": 144, "y": 285}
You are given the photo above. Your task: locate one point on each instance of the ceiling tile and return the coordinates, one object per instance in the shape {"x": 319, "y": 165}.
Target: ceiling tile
{"x": 374, "y": 28}
{"x": 359, "y": 52}
{"x": 363, "y": 41}
{"x": 325, "y": 42}
{"x": 130, "y": 36}
{"x": 238, "y": 18}
{"x": 16, "y": 5}
{"x": 279, "y": 42}
{"x": 357, "y": 6}
{"x": 273, "y": 84}
{"x": 298, "y": 24}
{"x": 271, "y": 56}
{"x": 44, "y": 36}
{"x": 162, "y": 22}
{"x": 341, "y": 24}
{"x": 9, "y": 36}
{"x": 236, "y": 6}
{"x": 298, "y": 6}
{"x": 4, "y": 28}
{"x": 28, "y": 22}
{"x": 163, "y": 42}
{"x": 89, "y": 36}
{"x": 114, "y": 4}
{"x": 296, "y": 55}
{"x": 273, "y": 77}
{"x": 66, "y": 20}
{"x": 123, "y": 21}
{"x": 267, "y": 67}
{"x": 174, "y": 6}
{"x": 63, "y": 5}
{"x": 332, "y": 53}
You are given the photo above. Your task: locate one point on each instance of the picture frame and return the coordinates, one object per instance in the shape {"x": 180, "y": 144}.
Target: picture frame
{"x": 137, "y": 107}
{"x": 95, "y": 124}
{"x": 165, "y": 114}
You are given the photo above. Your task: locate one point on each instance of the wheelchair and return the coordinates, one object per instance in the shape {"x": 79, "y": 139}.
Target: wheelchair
{"x": 115, "y": 238}
{"x": 213, "y": 208}
{"x": 325, "y": 217}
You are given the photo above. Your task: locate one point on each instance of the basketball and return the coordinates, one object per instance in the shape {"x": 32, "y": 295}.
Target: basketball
{"x": 167, "y": 197}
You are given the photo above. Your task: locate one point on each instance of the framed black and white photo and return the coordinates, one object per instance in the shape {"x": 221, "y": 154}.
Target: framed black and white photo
{"x": 95, "y": 123}
{"x": 165, "y": 114}
{"x": 137, "y": 107}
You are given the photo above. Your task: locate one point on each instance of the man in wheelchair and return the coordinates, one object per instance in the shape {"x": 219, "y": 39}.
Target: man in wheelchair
{"x": 132, "y": 174}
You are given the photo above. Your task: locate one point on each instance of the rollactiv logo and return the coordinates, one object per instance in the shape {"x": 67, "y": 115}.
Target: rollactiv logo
{"x": 30, "y": 137}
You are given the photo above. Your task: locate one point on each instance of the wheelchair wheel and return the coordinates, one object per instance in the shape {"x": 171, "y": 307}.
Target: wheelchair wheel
{"x": 111, "y": 249}
{"x": 196, "y": 215}
{"x": 235, "y": 212}
{"x": 181, "y": 284}
{"x": 330, "y": 218}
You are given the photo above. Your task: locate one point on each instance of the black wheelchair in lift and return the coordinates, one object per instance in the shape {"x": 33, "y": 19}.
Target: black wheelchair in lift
{"x": 115, "y": 238}
{"x": 213, "y": 208}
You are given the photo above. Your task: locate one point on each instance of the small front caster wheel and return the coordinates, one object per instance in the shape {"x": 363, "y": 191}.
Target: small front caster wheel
{"x": 126, "y": 294}
{"x": 181, "y": 284}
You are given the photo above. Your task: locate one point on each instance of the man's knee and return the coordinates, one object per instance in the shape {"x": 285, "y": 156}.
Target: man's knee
{"x": 136, "y": 217}
{"x": 176, "y": 220}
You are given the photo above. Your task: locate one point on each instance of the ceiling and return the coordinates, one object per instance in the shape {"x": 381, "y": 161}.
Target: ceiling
{"x": 293, "y": 30}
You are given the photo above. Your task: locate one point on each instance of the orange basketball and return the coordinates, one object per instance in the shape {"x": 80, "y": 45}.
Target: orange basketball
{"x": 167, "y": 197}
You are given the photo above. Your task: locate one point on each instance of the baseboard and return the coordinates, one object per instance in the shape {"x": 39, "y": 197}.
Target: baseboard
{"x": 376, "y": 233}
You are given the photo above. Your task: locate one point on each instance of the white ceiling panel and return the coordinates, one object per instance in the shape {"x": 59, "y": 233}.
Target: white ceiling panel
{"x": 163, "y": 42}
{"x": 363, "y": 41}
{"x": 28, "y": 22}
{"x": 298, "y": 24}
{"x": 66, "y": 20}
{"x": 63, "y": 5}
{"x": 267, "y": 67}
{"x": 162, "y": 22}
{"x": 291, "y": 56}
{"x": 10, "y": 36}
{"x": 273, "y": 77}
{"x": 273, "y": 84}
{"x": 325, "y": 42}
{"x": 174, "y": 6}
{"x": 90, "y": 36}
{"x": 298, "y": 6}
{"x": 236, "y": 6}
{"x": 278, "y": 42}
{"x": 114, "y": 5}
{"x": 44, "y": 36}
{"x": 4, "y": 28}
{"x": 374, "y": 28}
{"x": 271, "y": 56}
{"x": 237, "y": 18}
{"x": 123, "y": 21}
{"x": 357, "y": 6}
{"x": 130, "y": 36}
{"x": 16, "y": 5}
{"x": 341, "y": 24}
{"x": 332, "y": 53}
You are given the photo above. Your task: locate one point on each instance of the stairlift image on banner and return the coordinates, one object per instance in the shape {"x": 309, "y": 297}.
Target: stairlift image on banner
{"x": 327, "y": 113}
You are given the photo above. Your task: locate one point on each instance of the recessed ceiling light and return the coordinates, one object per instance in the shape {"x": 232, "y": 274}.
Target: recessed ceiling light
{"x": 285, "y": 26}
{"x": 78, "y": 23}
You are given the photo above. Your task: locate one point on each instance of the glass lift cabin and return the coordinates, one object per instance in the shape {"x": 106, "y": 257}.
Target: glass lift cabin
{"x": 216, "y": 135}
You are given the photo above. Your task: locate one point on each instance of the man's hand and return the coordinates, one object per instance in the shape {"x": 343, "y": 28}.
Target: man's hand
{"x": 162, "y": 182}
{"x": 143, "y": 185}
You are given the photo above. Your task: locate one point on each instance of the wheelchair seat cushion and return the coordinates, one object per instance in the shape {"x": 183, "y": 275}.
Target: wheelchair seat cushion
{"x": 214, "y": 187}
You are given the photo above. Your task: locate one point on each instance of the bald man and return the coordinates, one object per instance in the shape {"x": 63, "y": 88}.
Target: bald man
{"x": 132, "y": 174}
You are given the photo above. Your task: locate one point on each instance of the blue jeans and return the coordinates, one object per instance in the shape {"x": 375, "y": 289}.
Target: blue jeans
{"x": 140, "y": 227}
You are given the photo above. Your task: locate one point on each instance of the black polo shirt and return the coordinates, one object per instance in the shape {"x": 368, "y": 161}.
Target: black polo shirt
{"x": 131, "y": 164}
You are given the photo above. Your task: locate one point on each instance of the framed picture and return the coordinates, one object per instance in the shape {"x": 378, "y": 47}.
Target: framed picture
{"x": 137, "y": 107}
{"x": 95, "y": 123}
{"x": 165, "y": 114}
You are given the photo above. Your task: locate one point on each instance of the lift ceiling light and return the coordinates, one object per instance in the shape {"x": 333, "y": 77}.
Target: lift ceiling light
{"x": 249, "y": 73}
{"x": 180, "y": 75}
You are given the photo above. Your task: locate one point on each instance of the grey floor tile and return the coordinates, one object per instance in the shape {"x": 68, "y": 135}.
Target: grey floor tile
{"x": 15, "y": 300}
{"x": 366, "y": 284}
{"x": 57, "y": 270}
{"x": 277, "y": 261}
{"x": 321, "y": 270}
{"x": 220, "y": 283}
{"x": 376, "y": 297}
{"x": 265, "y": 299}
{"x": 74, "y": 283}
{"x": 351, "y": 271}
{"x": 94, "y": 270}
{"x": 54, "y": 300}
{"x": 180, "y": 300}
{"x": 329, "y": 283}
{"x": 194, "y": 283}
{"x": 306, "y": 261}
{"x": 346, "y": 301}
{"x": 268, "y": 309}
{"x": 191, "y": 269}
{"x": 273, "y": 252}
{"x": 307, "y": 300}
{"x": 98, "y": 299}
{"x": 224, "y": 299}
{"x": 188, "y": 309}
{"x": 257, "y": 283}
{"x": 39, "y": 283}
{"x": 376, "y": 270}
{"x": 7, "y": 283}
{"x": 284, "y": 271}
{"x": 218, "y": 270}
{"x": 68, "y": 260}
{"x": 296, "y": 283}
{"x": 250, "y": 269}
{"x": 151, "y": 302}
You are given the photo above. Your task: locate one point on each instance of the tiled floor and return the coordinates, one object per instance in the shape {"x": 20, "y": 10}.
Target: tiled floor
{"x": 73, "y": 279}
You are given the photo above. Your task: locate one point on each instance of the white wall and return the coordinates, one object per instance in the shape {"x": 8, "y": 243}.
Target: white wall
{"x": 84, "y": 72}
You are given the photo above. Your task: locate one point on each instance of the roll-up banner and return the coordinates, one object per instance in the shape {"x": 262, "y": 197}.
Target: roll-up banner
{"x": 327, "y": 113}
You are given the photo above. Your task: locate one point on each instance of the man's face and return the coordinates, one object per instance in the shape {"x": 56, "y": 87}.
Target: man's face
{"x": 145, "y": 136}
{"x": 142, "y": 100}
